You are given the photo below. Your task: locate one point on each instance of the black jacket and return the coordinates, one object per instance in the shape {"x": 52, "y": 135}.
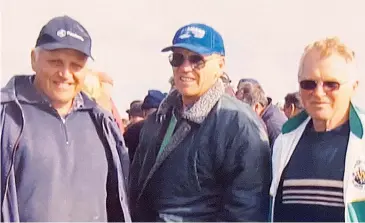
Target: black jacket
{"x": 216, "y": 166}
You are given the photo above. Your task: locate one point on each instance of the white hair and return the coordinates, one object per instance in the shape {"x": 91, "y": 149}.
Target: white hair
{"x": 329, "y": 46}
{"x": 37, "y": 50}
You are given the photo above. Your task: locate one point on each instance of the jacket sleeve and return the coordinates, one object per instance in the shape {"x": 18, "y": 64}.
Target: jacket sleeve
{"x": 274, "y": 126}
{"x": 135, "y": 172}
{"x": 246, "y": 174}
{"x": 121, "y": 148}
{"x": 117, "y": 209}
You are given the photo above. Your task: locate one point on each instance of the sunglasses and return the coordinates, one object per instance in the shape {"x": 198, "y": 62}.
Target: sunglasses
{"x": 326, "y": 85}
{"x": 177, "y": 59}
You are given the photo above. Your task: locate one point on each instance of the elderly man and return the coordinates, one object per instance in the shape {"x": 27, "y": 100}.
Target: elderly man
{"x": 319, "y": 158}
{"x": 61, "y": 156}
{"x": 203, "y": 156}
{"x": 251, "y": 92}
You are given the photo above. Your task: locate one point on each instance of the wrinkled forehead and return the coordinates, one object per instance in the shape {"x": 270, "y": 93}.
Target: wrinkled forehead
{"x": 332, "y": 67}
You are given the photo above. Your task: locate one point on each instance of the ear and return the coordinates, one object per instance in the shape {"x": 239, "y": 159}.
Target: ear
{"x": 354, "y": 87}
{"x": 257, "y": 108}
{"x": 222, "y": 62}
{"x": 33, "y": 59}
{"x": 292, "y": 109}
{"x": 221, "y": 65}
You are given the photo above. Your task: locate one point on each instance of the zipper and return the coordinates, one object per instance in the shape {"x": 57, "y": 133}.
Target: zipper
{"x": 63, "y": 120}
{"x": 64, "y": 129}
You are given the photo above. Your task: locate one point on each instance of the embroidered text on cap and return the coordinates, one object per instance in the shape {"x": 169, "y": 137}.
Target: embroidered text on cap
{"x": 191, "y": 30}
{"x": 63, "y": 33}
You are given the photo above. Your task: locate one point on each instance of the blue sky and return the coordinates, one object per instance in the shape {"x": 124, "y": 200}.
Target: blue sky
{"x": 264, "y": 39}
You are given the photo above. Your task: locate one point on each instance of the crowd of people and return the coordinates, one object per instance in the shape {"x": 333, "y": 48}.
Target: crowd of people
{"x": 204, "y": 151}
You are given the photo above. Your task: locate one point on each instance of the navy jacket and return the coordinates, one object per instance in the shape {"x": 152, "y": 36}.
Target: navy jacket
{"x": 274, "y": 120}
{"x": 12, "y": 123}
{"x": 216, "y": 166}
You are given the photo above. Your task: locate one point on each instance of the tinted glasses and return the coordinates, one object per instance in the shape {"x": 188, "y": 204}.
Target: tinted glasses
{"x": 177, "y": 59}
{"x": 326, "y": 85}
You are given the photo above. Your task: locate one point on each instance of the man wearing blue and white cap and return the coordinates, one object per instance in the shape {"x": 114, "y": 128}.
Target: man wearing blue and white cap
{"x": 62, "y": 157}
{"x": 203, "y": 156}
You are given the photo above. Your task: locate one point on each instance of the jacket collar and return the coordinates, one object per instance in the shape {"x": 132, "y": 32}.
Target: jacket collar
{"x": 199, "y": 110}
{"x": 356, "y": 125}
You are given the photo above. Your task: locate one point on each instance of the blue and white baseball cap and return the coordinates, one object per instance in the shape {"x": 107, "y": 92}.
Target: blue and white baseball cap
{"x": 199, "y": 38}
{"x": 63, "y": 32}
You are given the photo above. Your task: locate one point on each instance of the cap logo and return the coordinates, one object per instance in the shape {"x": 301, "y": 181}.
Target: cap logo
{"x": 358, "y": 175}
{"x": 192, "y": 31}
{"x": 63, "y": 33}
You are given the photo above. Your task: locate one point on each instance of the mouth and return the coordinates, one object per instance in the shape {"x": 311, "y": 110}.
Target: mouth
{"x": 186, "y": 79}
{"x": 63, "y": 85}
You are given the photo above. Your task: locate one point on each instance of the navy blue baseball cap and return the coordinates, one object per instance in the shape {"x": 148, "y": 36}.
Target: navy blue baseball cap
{"x": 198, "y": 38}
{"x": 63, "y": 32}
{"x": 153, "y": 99}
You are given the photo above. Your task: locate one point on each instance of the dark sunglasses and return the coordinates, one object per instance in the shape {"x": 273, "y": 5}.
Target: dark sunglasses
{"x": 177, "y": 59}
{"x": 326, "y": 85}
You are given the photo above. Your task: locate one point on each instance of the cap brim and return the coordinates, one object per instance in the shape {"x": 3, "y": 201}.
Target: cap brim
{"x": 194, "y": 48}
{"x": 56, "y": 46}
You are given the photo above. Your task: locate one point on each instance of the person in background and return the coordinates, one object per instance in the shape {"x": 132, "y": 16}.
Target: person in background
{"x": 319, "y": 158}
{"x": 62, "y": 157}
{"x": 150, "y": 104}
{"x": 241, "y": 84}
{"x": 280, "y": 104}
{"x": 252, "y": 93}
{"x": 203, "y": 156}
{"x": 98, "y": 86}
{"x": 135, "y": 113}
{"x": 293, "y": 104}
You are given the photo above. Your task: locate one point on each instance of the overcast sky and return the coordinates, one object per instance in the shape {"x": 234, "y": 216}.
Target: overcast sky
{"x": 263, "y": 39}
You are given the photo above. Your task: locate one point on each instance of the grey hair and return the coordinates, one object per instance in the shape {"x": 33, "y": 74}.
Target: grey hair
{"x": 37, "y": 50}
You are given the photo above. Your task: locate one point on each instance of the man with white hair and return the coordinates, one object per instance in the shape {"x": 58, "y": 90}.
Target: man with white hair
{"x": 62, "y": 157}
{"x": 319, "y": 158}
{"x": 203, "y": 156}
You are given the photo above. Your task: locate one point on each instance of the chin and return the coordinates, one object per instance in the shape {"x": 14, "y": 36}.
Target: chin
{"x": 63, "y": 98}
{"x": 186, "y": 92}
{"x": 321, "y": 115}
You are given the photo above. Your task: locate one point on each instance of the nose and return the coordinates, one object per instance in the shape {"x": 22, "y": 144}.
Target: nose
{"x": 319, "y": 91}
{"x": 186, "y": 66}
{"x": 66, "y": 72}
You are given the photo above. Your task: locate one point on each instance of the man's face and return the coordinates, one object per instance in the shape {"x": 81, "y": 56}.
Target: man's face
{"x": 58, "y": 73}
{"x": 240, "y": 94}
{"x": 194, "y": 77}
{"x": 334, "y": 83}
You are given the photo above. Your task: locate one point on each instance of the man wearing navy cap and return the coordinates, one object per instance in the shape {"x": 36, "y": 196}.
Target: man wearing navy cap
{"x": 149, "y": 105}
{"x": 203, "y": 156}
{"x": 252, "y": 93}
{"x": 62, "y": 157}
